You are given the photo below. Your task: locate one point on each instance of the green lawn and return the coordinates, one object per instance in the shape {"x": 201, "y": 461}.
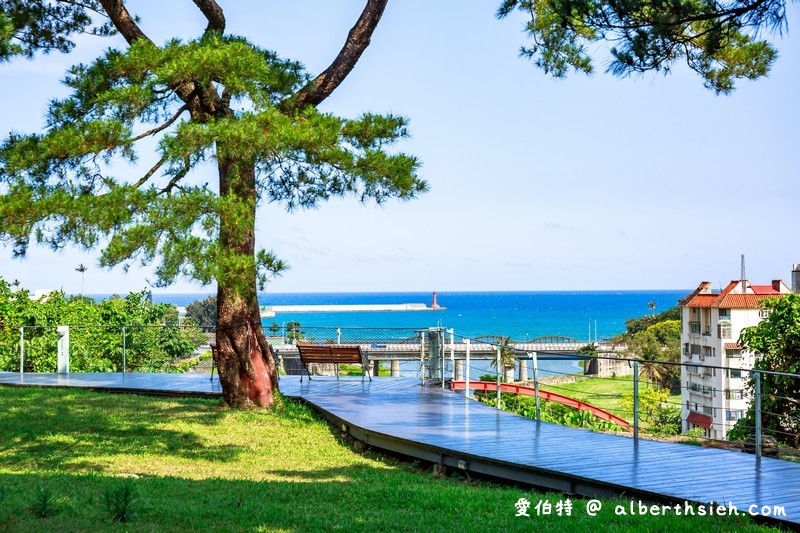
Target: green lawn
{"x": 193, "y": 465}
{"x": 605, "y": 393}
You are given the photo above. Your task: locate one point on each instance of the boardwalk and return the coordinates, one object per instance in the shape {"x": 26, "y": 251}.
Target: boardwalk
{"x": 443, "y": 427}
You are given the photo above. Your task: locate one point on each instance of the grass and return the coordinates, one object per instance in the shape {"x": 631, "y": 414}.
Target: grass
{"x": 605, "y": 393}
{"x": 82, "y": 461}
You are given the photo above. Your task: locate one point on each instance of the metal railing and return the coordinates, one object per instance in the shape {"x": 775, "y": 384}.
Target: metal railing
{"x": 113, "y": 348}
{"x": 712, "y": 397}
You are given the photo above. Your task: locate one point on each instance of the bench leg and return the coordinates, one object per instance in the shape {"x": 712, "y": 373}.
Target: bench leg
{"x": 337, "y": 371}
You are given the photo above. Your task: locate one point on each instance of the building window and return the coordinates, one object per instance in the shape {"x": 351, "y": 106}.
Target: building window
{"x": 695, "y": 349}
{"x": 708, "y": 410}
{"x": 763, "y": 313}
{"x": 694, "y": 328}
{"x": 706, "y": 351}
{"x": 724, "y": 329}
{"x": 686, "y": 349}
{"x": 724, "y": 314}
{"x": 733, "y": 415}
{"x": 734, "y": 394}
{"x": 735, "y": 353}
{"x": 734, "y": 373}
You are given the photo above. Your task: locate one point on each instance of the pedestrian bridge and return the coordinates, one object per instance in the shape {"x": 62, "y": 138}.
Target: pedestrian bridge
{"x": 479, "y": 348}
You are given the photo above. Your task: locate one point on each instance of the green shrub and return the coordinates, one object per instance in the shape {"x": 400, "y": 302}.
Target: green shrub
{"x": 120, "y": 501}
{"x": 44, "y": 503}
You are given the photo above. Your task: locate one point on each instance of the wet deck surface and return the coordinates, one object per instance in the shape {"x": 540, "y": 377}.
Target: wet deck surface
{"x": 441, "y": 426}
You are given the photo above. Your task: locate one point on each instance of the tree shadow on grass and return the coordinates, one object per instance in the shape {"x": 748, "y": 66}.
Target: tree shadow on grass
{"x": 49, "y": 429}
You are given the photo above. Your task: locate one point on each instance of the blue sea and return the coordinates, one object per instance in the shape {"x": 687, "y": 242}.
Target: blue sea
{"x": 519, "y": 315}
{"x": 582, "y": 315}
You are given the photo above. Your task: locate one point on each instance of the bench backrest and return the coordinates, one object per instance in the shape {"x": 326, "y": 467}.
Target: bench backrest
{"x": 313, "y": 353}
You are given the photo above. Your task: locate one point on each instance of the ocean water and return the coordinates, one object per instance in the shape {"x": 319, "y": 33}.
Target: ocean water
{"x": 520, "y": 315}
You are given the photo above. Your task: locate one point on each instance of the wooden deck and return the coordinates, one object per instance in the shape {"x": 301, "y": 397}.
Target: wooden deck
{"x": 158, "y": 384}
{"x": 444, "y": 427}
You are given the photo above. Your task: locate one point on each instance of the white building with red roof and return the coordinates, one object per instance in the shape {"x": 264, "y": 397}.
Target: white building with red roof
{"x": 714, "y": 399}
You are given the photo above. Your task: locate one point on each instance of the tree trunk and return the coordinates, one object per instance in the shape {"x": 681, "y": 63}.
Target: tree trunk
{"x": 246, "y": 369}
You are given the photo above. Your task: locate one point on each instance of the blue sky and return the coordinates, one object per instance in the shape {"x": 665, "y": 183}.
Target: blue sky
{"x": 649, "y": 182}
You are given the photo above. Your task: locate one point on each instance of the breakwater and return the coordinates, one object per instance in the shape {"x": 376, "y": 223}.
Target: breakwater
{"x": 272, "y": 310}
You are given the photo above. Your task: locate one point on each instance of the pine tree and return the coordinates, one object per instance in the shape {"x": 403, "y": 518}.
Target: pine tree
{"x": 216, "y": 99}
{"x": 221, "y": 100}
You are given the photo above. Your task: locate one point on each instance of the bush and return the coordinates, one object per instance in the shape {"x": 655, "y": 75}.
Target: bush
{"x": 152, "y": 337}
{"x": 550, "y": 411}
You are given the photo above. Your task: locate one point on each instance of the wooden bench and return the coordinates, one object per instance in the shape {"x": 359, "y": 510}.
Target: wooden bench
{"x": 332, "y": 354}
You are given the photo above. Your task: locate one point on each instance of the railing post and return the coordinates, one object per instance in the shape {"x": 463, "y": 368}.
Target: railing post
{"x": 422, "y": 358}
{"x": 535, "y": 356}
{"x": 21, "y": 349}
{"x": 635, "y": 400}
{"x": 757, "y": 411}
{"x": 62, "y": 361}
{"x": 338, "y": 335}
{"x": 466, "y": 373}
{"x": 497, "y": 350}
{"x": 124, "y": 354}
{"x": 453, "y": 354}
{"x": 440, "y": 336}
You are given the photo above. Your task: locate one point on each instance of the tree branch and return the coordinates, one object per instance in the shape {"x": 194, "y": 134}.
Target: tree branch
{"x": 123, "y": 21}
{"x": 214, "y": 14}
{"x": 126, "y": 25}
{"x": 357, "y": 41}
{"x": 150, "y": 173}
{"x": 162, "y": 127}
{"x": 177, "y": 177}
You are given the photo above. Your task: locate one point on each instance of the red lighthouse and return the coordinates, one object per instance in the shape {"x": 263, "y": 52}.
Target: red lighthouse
{"x": 434, "y": 305}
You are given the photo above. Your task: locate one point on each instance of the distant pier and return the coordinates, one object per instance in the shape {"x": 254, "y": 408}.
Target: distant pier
{"x": 268, "y": 311}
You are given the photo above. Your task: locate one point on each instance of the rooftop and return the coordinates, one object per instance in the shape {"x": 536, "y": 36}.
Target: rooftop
{"x": 739, "y": 294}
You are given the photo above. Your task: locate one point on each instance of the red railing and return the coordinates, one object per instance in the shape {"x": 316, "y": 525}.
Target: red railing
{"x": 544, "y": 395}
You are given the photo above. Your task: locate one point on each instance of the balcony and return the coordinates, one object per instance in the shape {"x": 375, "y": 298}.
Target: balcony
{"x": 705, "y": 390}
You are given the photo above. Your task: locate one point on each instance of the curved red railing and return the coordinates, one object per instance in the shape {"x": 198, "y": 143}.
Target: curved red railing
{"x": 544, "y": 395}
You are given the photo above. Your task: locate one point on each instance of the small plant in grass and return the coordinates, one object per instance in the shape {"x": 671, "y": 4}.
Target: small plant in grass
{"x": 44, "y": 503}
{"x": 120, "y": 501}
